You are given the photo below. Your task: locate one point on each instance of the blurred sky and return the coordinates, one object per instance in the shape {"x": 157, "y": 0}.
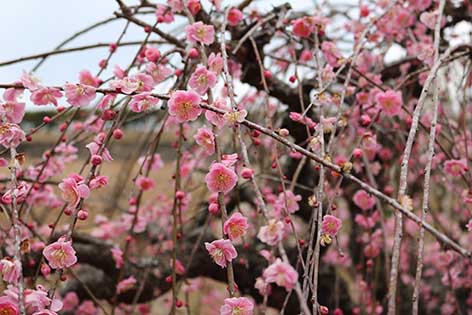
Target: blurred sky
{"x": 34, "y": 26}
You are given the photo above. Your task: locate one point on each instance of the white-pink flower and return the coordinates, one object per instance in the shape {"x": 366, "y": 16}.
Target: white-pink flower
{"x": 11, "y": 270}
{"x": 73, "y": 190}
{"x": 237, "y": 306}
{"x": 185, "y": 106}
{"x": 60, "y": 254}
{"x": 222, "y": 251}
{"x": 272, "y": 233}
{"x": 282, "y": 274}
{"x": 221, "y": 178}
{"x": 363, "y": 200}
{"x": 205, "y": 138}
{"x": 201, "y": 33}
{"x": 235, "y": 226}
{"x": 79, "y": 94}
{"x": 143, "y": 102}
{"x": 201, "y": 80}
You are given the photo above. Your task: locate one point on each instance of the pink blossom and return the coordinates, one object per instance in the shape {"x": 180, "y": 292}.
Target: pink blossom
{"x": 303, "y": 27}
{"x": 11, "y": 135}
{"x": 125, "y": 85}
{"x": 202, "y": 80}
{"x": 363, "y": 200}
{"x": 158, "y": 72}
{"x": 29, "y": 81}
{"x": 70, "y": 301}
{"x": 86, "y": 308}
{"x": 390, "y": 102}
{"x": 222, "y": 251}
{"x": 46, "y": 95}
{"x": 237, "y": 306}
{"x": 8, "y": 306}
{"x": 12, "y": 112}
{"x": 86, "y": 78}
{"x": 11, "y": 270}
{"x": 184, "y": 106}
{"x": 206, "y": 139}
{"x": 98, "y": 182}
{"x": 117, "y": 255}
{"x": 60, "y": 254}
{"x": 152, "y": 54}
{"x": 469, "y": 226}
{"x": 330, "y": 225}
{"x": 143, "y": 102}
{"x": 199, "y": 32}
{"x": 456, "y": 167}
{"x": 94, "y": 148}
{"x": 331, "y": 53}
{"x": 145, "y": 183}
{"x": 272, "y": 233}
{"x": 217, "y": 119}
{"x": 164, "y": 14}
{"x": 235, "y": 226}
{"x": 234, "y": 117}
{"x": 126, "y": 284}
{"x": 176, "y": 5}
{"x": 106, "y": 102}
{"x": 145, "y": 82}
{"x": 79, "y": 94}
{"x": 289, "y": 201}
{"x": 281, "y": 274}
{"x": 215, "y": 63}
{"x": 234, "y": 16}
{"x": 73, "y": 191}
{"x": 221, "y": 178}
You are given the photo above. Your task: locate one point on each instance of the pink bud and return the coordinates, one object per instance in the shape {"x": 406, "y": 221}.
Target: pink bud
{"x": 152, "y": 54}
{"x": 193, "y": 53}
{"x": 45, "y": 270}
{"x": 109, "y": 114}
{"x": 82, "y": 215}
{"x": 284, "y": 132}
{"x": 113, "y": 47}
{"x": 117, "y": 134}
{"x": 180, "y": 195}
{"x": 213, "y": 208}
{"x": 267, "y": 74}
{"x": 102, "y": 63}
{"x": 234, "y": 16}
{"x": 68, "y": 211}
{"x": 357, "y": 153}
{"x": 365, "y": 120}
{"x": 247, "y": 173}
{"x": 96, "y": 159}
{"x": 46, "y": 119}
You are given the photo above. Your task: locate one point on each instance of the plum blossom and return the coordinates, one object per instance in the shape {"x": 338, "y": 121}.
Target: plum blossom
{"x": 237, "y": 306}
{"x": 8, "y": 306}
{"x": 78, "y": 94}
{"x": 329, "y": 228}
{"x": 158, "y": 72}
{"x": 390, "y": 102}
{"x": 215, "y": 63}
{"x": 455, "y": 167}
{"x": 205, "y": 138}
{"x": 222, "y": 251}
{"x": 221, "y": 178}
{"x": 202, "y": 80}
{"x": 10, "y": 270}
{"x": 184, "y": 106}
{"x": 303, "y": 27}
{"x": 87, "y": 78}
{"x": 289, "y": 201}
{"x": 282, "y": 274}
{"x": 12, "y": 112}
{"x": 234, "y": 16}
{"x": 143, "y": 102}
{"x": 29, "y": 81}
{"x": 235, "y": 226}
{"x": 199, "y": 32}
{"x": 272, "y": 233}
{"x": 73, "y": 189}
{"x": 164, "y": 14}
{"x": 217, "y": 119}
{"x": 60, "y": 254}
{"x": 331, "y": 53}
{"x": 45, "y": 96}
{"x": 11, "y": 135}
{"x": 363, "y": 200}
